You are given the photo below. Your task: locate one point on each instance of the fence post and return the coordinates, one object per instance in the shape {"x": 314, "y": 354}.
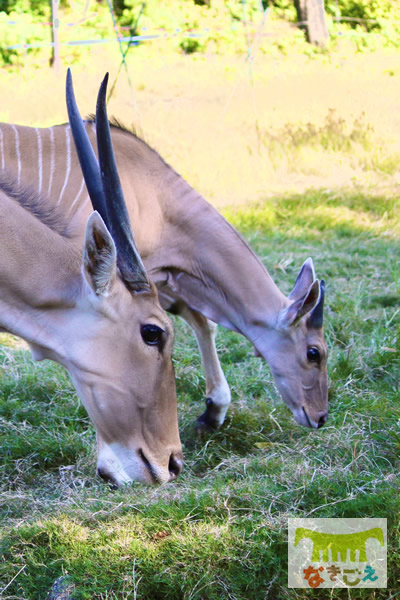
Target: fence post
{"x": 311, "y": 14}
{"x": 55, "y": 50}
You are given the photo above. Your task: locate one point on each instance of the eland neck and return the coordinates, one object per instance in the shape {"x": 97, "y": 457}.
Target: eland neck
{"x": 39, "y": 273}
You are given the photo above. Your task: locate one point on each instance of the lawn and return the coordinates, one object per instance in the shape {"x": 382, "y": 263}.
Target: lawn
{"x": 327, "y": 190}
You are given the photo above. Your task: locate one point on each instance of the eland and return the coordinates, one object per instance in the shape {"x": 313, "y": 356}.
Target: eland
{"x": 86, "y": 302}
{"x": 204, "y": 270}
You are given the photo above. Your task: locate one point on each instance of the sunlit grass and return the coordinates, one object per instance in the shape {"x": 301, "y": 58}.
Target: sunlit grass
{"x": 338, "y": 213}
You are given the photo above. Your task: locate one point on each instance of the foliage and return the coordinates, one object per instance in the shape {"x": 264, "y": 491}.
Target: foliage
{"x": 18, "y": 28}
{"x": 374, "y": 12}
{"x": 374, "y": 16}
{"x": 220, "y": 25}
{"x": 218, "y": 22}
{"x": 37, "y": 7}
{"x": 24, "y": 27}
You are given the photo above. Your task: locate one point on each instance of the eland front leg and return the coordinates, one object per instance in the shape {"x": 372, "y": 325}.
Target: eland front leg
{"x": 218, "y": 394}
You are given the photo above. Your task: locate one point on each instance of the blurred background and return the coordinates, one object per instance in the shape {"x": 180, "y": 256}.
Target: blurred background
{"x": 244, "y": 98}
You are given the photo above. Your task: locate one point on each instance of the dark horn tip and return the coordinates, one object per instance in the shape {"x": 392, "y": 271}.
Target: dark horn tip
{"x": 68, "y": 81}
{"x": 69, "y": 78}
{"x": 104, "y": 82}
{"x": 101, "y": 98}
{"x": 71, "y": 102}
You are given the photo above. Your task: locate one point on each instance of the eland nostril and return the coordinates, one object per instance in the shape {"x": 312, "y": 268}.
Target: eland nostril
{"x": 175, "y": 466}
{"x": 103, "y": 474}
{"x": 322, "y": 420}
{"x": 107, "y": 478}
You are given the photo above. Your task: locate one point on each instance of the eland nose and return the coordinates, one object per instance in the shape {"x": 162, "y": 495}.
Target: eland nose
{"x": 107, "y": 478}
{"x": 322, "y": 420}
{"x": 175, "y": 466}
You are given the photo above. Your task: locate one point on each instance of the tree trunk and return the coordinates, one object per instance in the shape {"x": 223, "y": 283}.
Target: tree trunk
{"x": 311, "y": 15}
{"x": 55, "y": 51}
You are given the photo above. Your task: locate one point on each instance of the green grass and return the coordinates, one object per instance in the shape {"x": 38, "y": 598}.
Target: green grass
{"x": 220, "y": 531}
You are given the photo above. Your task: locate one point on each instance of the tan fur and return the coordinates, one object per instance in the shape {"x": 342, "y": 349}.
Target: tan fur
{"x": 200, "y": 263}
{"x": 63, "y": 295}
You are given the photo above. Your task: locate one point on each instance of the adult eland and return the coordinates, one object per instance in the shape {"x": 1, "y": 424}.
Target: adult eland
{"x": 87, "y": 303}
{"x": 203, "y": 269}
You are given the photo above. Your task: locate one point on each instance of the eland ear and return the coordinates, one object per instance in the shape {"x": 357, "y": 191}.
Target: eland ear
{"x": 304, "y": 280}
{"x": 291, "y": 315}
{"x": 99, "y": 259}
{"x": 316, "y": 319}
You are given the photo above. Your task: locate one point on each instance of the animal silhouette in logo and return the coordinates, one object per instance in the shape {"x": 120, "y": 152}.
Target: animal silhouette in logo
{"x": 339, "y": 543}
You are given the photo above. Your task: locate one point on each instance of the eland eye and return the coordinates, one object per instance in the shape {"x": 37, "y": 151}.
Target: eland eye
{"x": 313, "y": 354}
{"x": 151, "y": 334}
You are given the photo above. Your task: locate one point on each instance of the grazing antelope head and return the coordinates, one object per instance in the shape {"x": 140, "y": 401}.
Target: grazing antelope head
{"x": 297, "y": 351}
{"x": 120, "y": 350}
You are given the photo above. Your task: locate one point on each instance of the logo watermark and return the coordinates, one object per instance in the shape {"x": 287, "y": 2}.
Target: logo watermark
{"x": 344, "y": 553}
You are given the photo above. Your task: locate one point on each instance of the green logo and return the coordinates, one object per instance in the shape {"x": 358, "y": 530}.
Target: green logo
{"x": 339, "y": 543}
{"x": 340, "y": 553}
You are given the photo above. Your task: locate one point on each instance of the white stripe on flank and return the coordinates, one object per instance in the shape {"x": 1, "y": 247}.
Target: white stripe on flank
{"x": 51, "y": 159}
{"x": 68, "y": 141}
{"x": 2, "y": 149}
{"x": 78, "y": 194}
{"x": 17, "y": 152}
{"x": 39, "y": 139}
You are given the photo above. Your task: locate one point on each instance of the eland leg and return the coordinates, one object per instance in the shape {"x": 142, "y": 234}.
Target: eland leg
{"x": 218, "y": 394}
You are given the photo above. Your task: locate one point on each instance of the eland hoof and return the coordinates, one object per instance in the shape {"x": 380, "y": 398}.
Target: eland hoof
{"x": 208, "y": 422}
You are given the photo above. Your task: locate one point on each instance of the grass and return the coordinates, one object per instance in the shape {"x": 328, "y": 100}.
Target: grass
{"x": 304, "y": 163}
{"x": 220, "y": 530}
